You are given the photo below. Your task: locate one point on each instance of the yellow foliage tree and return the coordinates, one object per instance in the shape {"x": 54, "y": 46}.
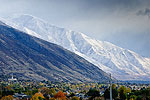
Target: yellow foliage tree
{"x": 52, "y": 91}
{"x": 75, "y": 98}
{"x": 52, "y": 99}
{"x": 114, "y": 86}
{"x": 9, "y": 97}
{"x": 36, "y": 96}
{"x": 128, "y": 90}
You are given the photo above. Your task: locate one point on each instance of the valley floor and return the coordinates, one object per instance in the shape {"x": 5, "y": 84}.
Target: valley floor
{"x": 47, "y": 90}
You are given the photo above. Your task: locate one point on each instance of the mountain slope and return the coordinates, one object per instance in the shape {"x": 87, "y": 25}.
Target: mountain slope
{"x": 123, "y": 64}
{"x": 32, "y": 58}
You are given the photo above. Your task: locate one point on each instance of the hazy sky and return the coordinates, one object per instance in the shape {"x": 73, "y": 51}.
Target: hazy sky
{"x": 125, "y": 23}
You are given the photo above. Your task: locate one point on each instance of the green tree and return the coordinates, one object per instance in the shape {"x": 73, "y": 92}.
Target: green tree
{"x": 114, "y": 93}
{"x": 107, "y": 94}
{"x": 122, "y": 92}
{"x": 133, "y": 97}
{"x": 72, "y": 95}
{"x": 139, "y": 97}
{"x": 145, "y": 93}
{"x": 93, "y": 93}
{"x": 34, "y": 90}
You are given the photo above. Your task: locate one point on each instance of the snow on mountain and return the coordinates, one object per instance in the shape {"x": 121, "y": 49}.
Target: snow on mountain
{"x": 123, "y": 64}
{"x": 31, "y": 58}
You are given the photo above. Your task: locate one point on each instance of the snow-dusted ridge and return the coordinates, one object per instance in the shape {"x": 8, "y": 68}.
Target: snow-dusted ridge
{"x": 123, "y": 64}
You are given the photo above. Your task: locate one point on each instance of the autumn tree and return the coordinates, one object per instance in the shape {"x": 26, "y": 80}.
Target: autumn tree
{"x": 60, "y": 96}
{"x": 37, "y": 96}
{"x": 128, "y": 90}
{"x": 52, "y": 99}
{"x": 52, "y": 91}
{"x": 45, "y": 91}
{"x": 75, "y": 98}
{"x": 7, "y": 91}
{"x": 9, "y": 97}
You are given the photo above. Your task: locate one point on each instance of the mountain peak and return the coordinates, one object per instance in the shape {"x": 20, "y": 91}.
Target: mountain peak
{"x": 23, "y": 16}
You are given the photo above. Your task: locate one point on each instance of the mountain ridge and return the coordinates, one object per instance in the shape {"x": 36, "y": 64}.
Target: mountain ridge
{"x": 121, "y": 63}
{"x": 29, "y": 57}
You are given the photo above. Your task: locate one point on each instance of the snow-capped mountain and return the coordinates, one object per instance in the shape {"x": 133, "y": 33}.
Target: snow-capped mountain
{"x": 123, "y": 64}
{"x": 31, "y": 58}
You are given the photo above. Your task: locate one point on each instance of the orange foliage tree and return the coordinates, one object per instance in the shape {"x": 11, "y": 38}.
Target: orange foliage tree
{"x": 60, "y": 96}
{"x": 9, "y": 97}
{"x": 8, "y": 88}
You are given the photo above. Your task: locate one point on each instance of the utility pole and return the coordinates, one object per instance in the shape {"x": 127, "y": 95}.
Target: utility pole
{"x": 110, "y": 88}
